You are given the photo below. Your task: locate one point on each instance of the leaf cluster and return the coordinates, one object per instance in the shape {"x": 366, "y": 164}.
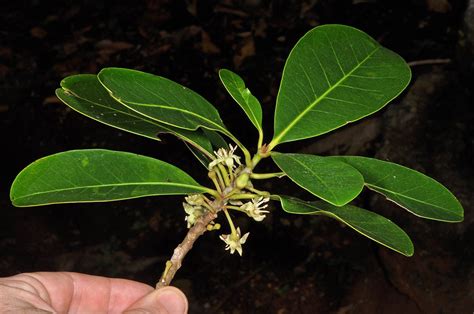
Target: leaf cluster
{"x": 333, "y": 76}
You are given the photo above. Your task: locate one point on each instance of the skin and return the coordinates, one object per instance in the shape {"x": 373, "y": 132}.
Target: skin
{"x": 65, "y": 292}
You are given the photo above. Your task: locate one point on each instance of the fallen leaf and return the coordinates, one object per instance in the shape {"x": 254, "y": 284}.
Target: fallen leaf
{"x": 51, "y": 100}
{"x": 207, "y": 45}
{"x": 38, "y": 32}
{"x": 246, "y": 50}
{"x": 108, "y": 46}
{"x": 439, "y": 6}
{"x": 223, "y": 9}
{"x": 260, "y": 29}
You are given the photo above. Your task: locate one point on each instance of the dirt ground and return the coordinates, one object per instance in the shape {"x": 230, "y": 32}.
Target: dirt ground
{"x": 291, "y": 264}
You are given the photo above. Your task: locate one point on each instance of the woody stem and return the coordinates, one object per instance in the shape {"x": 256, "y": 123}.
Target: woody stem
{"x": 174, "y": 263}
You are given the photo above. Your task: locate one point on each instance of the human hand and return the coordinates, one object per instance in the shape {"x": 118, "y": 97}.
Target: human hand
{"x": 64, "y": 292}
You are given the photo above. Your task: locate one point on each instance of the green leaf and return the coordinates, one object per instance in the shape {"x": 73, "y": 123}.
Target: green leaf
{"x": 161, "y": 99}
{"x": 242, "y": 95}
{"x": 367, "y": 223}
{"x": 84, "y": 94}
{"x": 412, "y": 190}
{"x": 216, "y": 139}
{"x": 203, "y": 159}
{"x": 333, "y": 181}
{"x": 335, "y": 75}
{"x": 97, "y": 175}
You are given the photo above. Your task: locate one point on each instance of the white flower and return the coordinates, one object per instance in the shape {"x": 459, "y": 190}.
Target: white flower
{"x": 193, "y": 208}
{"x": 255, "y": 208}
{"x": 194, "y": 199}
{"x": 227, "y": 157}
{"x": 234, "y": 242}
{"x": 194, "y": 212}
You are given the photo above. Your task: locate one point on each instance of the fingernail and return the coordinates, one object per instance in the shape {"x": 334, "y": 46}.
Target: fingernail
{"x": 173, "y": 300}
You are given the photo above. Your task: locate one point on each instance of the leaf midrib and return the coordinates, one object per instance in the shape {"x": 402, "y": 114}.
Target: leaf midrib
{"x": 218, "y": 127}
{"x": 375, "y": 187}
{"x": 358, "y": 229}
{"x": 141, "y": 117}
{"x": 277, "y": 139}
{"x": 366, "y": 233}
{"x": 317, "y": 177}
{"x": 124, "y": 102}
{"x": 134, "y": 114}
{"x": 254, "y": 119}
{"x": 112, "y": 185}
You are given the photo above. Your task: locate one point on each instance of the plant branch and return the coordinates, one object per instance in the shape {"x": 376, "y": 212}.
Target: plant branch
{"x": 221, "y": 180}
{"x": 183, "y": 248}
{"x": 263, "y": 152}
{"x": 260, "y": 139}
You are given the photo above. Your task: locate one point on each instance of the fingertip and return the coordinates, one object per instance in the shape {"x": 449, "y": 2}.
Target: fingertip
{"x": 174, "y": 299}
{"x": 167, "y": 300}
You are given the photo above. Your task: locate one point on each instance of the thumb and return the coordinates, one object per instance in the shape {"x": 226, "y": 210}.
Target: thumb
{"x": 167, "y": 300}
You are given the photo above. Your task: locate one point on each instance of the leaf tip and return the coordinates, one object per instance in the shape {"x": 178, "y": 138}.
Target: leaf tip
{"x": 407, "y": 254}
{"x": 14, "y": 199}
{"x": 339, "y": 202}
{"x": 410, "y": 252}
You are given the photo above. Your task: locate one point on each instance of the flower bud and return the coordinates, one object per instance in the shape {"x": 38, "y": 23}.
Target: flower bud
{"x": 242, "y": 180}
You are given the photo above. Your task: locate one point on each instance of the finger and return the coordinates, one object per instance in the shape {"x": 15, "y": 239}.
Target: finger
{"x": 16, "y": 296}
{"x": 168, "y": 300}
{"x": 73, "y": 292}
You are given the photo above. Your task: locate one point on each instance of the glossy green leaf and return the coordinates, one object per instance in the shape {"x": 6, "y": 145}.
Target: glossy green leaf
{"x": 203, "y": 159}
{"x": 367, "y": 223}
{"x": 84, "y": 94}
{"x": 216, "y": 140}
{"x": 97, "y": 175}
{"x": 242, "y": 95}
{"x": 412, "y": 190}
{"x": 161, "y": 99}
{"x": 334, "y": 75}
{"x": 332, "y": 180}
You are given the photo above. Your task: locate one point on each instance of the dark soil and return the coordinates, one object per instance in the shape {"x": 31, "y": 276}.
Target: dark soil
{"x": 291, "y": 264}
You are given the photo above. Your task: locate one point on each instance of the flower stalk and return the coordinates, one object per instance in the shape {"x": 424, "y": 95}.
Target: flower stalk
{"x": 260, "y": 176}
{"x": 225, "y": 174}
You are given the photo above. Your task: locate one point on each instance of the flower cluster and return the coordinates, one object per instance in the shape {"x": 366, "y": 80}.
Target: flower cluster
{"x": 226, "y": 157}
{"x": 233, "y": 185}
{"x": 193, "y": 207}
{"x": 234, "y": 241}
